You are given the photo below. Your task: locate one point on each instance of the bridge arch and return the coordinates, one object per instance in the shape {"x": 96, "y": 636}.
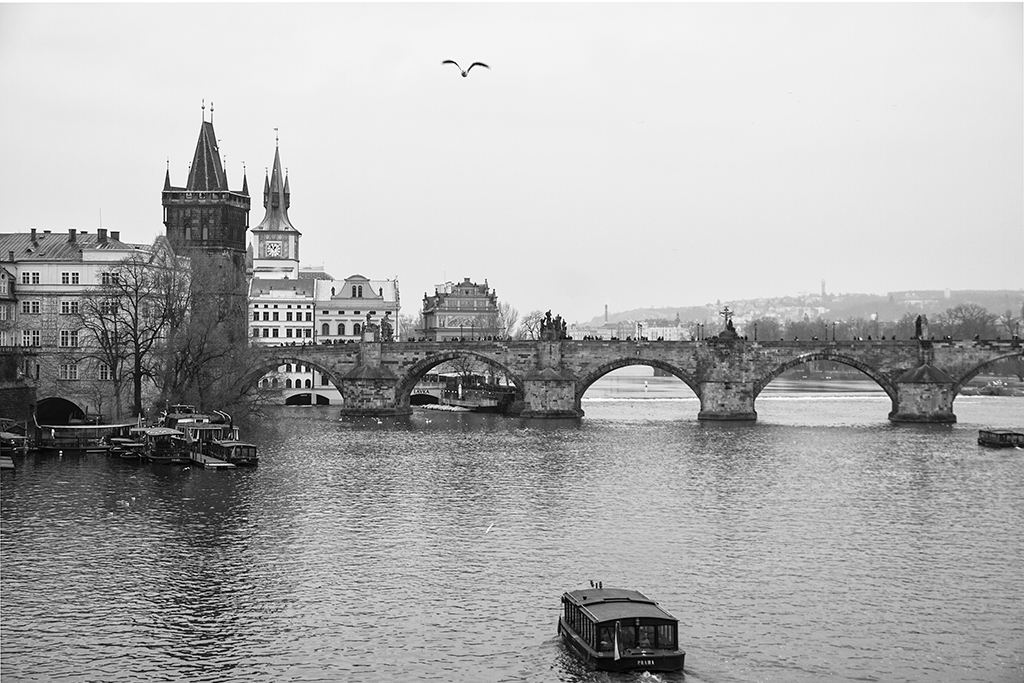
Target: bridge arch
{"x": 270, "y": 364}
{"x": 414, "y": 373}
{"x": 881, "y": 380}
{"x": 962, "y": 380}
{"x": 597, "y": 373}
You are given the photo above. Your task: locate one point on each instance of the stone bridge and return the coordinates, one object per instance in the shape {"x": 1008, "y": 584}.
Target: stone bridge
{"x": 921, "y": 377}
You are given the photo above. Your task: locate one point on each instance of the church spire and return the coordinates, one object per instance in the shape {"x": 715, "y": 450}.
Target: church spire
{"x": 276, "y": 196}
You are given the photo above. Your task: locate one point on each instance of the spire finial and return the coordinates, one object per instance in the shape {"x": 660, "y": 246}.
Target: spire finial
{"x": 277, "y": 138}
{"x": 204, "y": 110}
{"x": 211, "y": 113}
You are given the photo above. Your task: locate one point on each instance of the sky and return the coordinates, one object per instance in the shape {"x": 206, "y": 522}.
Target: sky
{"x": 621, "y": 155}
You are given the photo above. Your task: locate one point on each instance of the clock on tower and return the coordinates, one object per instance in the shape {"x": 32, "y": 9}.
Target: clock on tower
{"x": 273, "y": 249}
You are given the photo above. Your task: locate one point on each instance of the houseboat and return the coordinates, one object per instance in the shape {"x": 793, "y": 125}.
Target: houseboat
{"x": 165, "y": 446}
{"x": 616, "y": 629}
{"x": 87, "y": 438}
{"x": 127, "y": 448}
{"x": 1001, "y": 438}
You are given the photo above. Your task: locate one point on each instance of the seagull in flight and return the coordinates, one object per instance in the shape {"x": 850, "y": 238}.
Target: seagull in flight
{"x": 465, "y": 72}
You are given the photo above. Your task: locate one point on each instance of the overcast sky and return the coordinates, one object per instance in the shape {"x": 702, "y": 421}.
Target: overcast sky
{"x": 621, "y": 154}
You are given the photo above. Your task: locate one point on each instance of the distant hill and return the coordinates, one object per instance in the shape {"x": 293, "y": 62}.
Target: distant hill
{"x": 890, "y": 306}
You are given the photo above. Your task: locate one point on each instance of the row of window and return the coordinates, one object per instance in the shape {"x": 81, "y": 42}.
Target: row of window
{"x": 273, "y": 315}
{"x": 297, "y": 332}
{"x": 68, "y": 338}
{"x": 67, "y": 277}
{"x": 273, "y": 383}
{"x": 33, "y": 307}
{"x": 69, "y": 371}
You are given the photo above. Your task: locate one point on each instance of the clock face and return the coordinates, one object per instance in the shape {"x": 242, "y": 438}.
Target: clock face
{"x": 273, "y": 248}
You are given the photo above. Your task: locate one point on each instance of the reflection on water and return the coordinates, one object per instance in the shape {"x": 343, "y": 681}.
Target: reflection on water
{"x": 820, "y": 543}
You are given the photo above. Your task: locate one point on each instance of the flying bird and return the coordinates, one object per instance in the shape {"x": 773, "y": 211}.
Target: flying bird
{"x": 465, "y": 72}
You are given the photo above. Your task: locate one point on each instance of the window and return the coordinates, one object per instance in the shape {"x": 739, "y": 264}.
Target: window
{"x": 355, "y": 328}
{"x": 287, "y": 384}
{"x": 309, "y": 332}
{"x": 325, "y": 330}
{"x": 308, "y": 384}
{"x": 69, "y": 371}
{"x": 30, "y": 307}
{"x": 309, "y": 317}
{"x": 108, "y": 307}
{"x": 255, "y": 331}
{"x": 288, "y": 316}
{"x": 30, "y": 337}
{"x": 3, "y": 284}
{"x": 109, "y": 278}
{"x": 360, "y": 291}
{"x": 69, "y": 338}
{"x": 266, "y": 331}
{"x": 353, "y": 291}
{"x": 323, "y": 381}
{"x": 69, "y": 278}
{"x": 28, "y": 278}
{"x": 3, "y": 313}
{"x": 666, "y": 636}
{"x": 288, "y": 332}
{"x": 266, "y": 315}
{"x": 69, "y": 306}
{"x": 255, "y": 315}
{"x": 104, "y": 372}
{"x": 274, "y": 332}
{"x": 341, "y": 328}
{"x": 275, "y": 316}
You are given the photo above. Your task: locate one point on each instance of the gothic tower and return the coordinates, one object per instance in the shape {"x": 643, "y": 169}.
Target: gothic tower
{"x": 205, "y": 215}
{"x": 275, "y": 239}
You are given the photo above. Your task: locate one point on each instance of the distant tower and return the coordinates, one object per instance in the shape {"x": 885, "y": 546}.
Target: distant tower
{"x": 205, "y": 215}
{"x": 606, "y": 314}
{"x": 275, "y": 239}
{"x": 822, "y": 289}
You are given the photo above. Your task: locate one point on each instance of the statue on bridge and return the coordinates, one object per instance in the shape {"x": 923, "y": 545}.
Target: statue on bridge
{"x": 386, "y": 329}
{"x": 552, "y": 329}
{"x": 730, "y": 330}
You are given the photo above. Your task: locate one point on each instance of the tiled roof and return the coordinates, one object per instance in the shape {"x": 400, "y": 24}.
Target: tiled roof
{"x": 207, "y": 173}
{"x": 304, "y": 286}
{"x": 276, "y": 201}
{"x": 54, "y": 246}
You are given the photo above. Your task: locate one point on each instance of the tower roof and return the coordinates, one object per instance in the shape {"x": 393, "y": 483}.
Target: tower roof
{"x": 276, "y": 199}
{"x": 207, "y": 173}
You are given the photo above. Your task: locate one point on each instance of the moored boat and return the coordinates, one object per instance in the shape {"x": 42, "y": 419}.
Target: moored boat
{"x": 88, "y": 438}
{"x": 617, "y": 629}
{"x": 165, "y": 446}
{"x": 235, "y": 452}
{"x": 1001, "y": 438}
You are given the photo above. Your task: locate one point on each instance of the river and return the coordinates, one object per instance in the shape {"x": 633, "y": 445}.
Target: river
{"x": 821, "y": 543}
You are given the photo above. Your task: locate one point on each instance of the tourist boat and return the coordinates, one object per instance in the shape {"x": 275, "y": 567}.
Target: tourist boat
{"x": 165, "y": 446}
{"x": 127, "y": 448}
{"x": 1001, "y": 438}
{"x": 616, "y": 629}
{"x": 235, "y": 452}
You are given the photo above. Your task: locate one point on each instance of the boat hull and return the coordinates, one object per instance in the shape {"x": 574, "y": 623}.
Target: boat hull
{"x": 628, "y": 661}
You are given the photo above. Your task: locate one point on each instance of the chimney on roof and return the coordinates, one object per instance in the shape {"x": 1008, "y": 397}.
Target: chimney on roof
{"x": 101, "y": 235}
{"x": 33, "y": 235}
{"x": 71, "y": 235}
{"x": 115, "y": 235}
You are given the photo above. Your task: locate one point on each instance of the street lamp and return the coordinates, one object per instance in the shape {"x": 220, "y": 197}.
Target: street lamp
{"x": 755, "y": 331}
{"x": 833, "y": 330}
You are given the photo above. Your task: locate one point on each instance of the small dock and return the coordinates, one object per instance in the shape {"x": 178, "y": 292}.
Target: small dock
{"x": 211, "y": 463}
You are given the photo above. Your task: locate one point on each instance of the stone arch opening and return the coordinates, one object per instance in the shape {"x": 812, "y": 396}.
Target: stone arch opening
{"x": 268, "y": 366}
{"x": 587, "y": 380}
{"x": 307, "y": 399}
{"x": 881, "y": 380}
{"x": 411, "y": 377}
{"x": 962, "y": 380}
{"x": 57, "y": 411}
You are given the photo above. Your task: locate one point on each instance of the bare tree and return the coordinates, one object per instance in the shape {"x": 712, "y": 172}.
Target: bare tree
{"x": 529, "y": 326}
{"x": 506, "y": 320}
{"x": 967, "y": 320}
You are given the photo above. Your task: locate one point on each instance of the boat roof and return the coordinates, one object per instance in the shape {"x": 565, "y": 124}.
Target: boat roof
{"x": 121, "y": 425}
{"x": 235, "y": 443}
{"x": 1001, "y": 431}
{"x": 162, "y": 431}
{"x": 609, "y": 604}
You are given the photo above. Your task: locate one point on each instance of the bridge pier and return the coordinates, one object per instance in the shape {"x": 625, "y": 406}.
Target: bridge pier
{"x": 924, "y": 394}
{"x": 549, "y": 394}
{"x": 727, "y": 401}
{"x": 370, "y": 388}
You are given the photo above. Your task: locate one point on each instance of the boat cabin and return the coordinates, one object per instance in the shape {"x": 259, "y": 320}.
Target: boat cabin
{"x": 234, "y": 452}
{"x": 1000, "y": 438}
{"x": 616, "y": 629}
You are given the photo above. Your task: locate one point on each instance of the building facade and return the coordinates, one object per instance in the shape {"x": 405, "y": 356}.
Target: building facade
{"x": 45, "y": 277}
{"x": 460, "y": 311}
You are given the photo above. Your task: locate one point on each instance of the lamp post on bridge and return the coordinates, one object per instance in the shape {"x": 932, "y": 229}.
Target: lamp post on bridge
{"x": 833, "y": 330}
{"x": 755, "y": 331}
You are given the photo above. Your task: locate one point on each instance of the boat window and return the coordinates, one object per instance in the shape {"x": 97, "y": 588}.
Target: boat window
{"x": 627, "y": 637}
{"x": 666, "y": 637}
{"x": 607, "y": 641}
{"x": 646, "y": 636}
